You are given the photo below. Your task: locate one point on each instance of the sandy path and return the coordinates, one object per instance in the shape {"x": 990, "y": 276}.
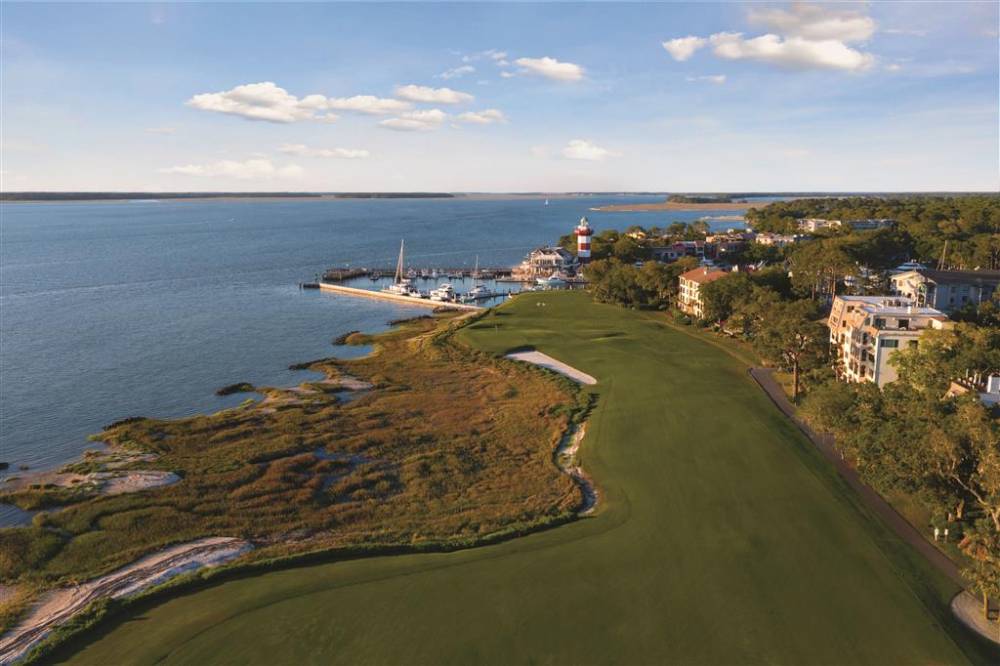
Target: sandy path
{"x": 546, "y": 361}
{"x": 969, "y": 610}
{"x": 58, "y": 606}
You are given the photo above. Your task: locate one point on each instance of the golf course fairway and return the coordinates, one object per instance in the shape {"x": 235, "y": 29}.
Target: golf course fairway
{"x": 721, "y": 537}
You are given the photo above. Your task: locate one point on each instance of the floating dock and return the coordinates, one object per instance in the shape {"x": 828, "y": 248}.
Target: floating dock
{"x": 405, "y": 300}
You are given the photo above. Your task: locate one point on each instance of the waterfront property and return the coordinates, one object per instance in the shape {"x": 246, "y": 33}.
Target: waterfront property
{"x": 716, "y": 541}
{"x": 543, "y": 262}
{"x": 865, "y": 331}
{"x": 689, "y": 294}
{"x": 946, "y": 290}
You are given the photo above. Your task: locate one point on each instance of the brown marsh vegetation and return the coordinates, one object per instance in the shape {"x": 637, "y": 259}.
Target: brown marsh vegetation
{"x": 450, "y": 446}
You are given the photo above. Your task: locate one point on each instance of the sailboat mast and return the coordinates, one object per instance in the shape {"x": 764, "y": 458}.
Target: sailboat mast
{"x": 399, "y": 265}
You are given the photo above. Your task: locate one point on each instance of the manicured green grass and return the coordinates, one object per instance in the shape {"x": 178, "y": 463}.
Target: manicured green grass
{"x": 722, "y": 538}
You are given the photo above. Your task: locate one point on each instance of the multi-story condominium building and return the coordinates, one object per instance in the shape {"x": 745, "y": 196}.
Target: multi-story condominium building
{"x": 865, "y": 331}
{"x": 946, "y": 290}
{"x": 689, "y": 293}
{"x": 543, "y": 262}
{"x": 812, "y": 224}
{"x": 778, "y": 240}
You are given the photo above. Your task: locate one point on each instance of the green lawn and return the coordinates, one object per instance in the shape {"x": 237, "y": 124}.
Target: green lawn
{"x": 722, "y": 538}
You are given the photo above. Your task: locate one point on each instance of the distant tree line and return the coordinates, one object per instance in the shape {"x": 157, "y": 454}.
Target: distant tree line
{"x": 970, "y": 225}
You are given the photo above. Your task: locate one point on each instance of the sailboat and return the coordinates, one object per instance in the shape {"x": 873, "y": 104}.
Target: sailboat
{"x": 401, "y": 286}
{"x": 546, "y": 202}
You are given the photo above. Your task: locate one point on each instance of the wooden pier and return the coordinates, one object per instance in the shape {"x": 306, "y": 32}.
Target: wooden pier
{"x": 403, "y": 300}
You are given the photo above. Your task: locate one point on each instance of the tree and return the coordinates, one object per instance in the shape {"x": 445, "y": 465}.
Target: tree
{"x": 659, "y": 281}
{"x": 720, "y": 298}
{"x": 946, "y": 354}
{"x": 791, "y": 337}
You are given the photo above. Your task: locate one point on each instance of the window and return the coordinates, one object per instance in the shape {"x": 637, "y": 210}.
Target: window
{"x": 888, "y": 344}
{"x": 879, "y": 322}
{"x": 912, "y": 344}
{"x": 904, "y": 324}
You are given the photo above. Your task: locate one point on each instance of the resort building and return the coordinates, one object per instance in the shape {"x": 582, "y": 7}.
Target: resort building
{"x": 728, "y": 243}
{"x": 543, "y": 262}
{"x": 985, "y": 387}
{"x": 689, "y": 294}
{"x": 812, "y": 224}
{"x": 778, "y": 240}
{"x": 946, "y": 290}
{"x": 865, "y": 331}
{"x": 674, "y": 251}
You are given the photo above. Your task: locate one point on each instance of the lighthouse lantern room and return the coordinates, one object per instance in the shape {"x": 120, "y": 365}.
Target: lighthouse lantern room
{"x": 583, "y": 233}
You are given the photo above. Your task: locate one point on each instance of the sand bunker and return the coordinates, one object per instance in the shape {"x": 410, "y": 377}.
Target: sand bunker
{"x": 546, "y": 361}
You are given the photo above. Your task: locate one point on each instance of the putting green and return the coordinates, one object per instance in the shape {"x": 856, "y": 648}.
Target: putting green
{"x": 721, "y": 537}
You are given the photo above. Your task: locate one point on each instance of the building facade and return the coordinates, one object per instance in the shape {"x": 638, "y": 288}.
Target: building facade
{"x": 865, "y": 331}
{"x": 946, "y": 290}
{"x": 543, "y": 262}
{"x": 813, "y": 224}
{"x": 689, "y": 291}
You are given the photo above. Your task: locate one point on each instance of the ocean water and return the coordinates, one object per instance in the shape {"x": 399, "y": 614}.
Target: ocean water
{"x": 110, "y": 310}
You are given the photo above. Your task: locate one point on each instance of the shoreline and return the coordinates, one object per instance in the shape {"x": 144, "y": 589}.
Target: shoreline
{"x": 677, "y": 207}
{"x": 63, "y": 613}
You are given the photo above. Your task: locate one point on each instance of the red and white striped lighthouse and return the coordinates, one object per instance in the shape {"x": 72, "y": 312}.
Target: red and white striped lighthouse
{"x": 583, "y": 233}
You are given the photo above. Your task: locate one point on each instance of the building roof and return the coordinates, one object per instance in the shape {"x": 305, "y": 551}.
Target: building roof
{"x": 955, "y": 277}
{"x": 704, "y": 274}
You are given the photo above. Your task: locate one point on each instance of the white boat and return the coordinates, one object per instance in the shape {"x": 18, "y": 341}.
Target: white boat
{"x": 552, "y": 282}
{"x": 444, "y": 293}
{"x": 479, "y": 291}
{"x": 402, "y": 286}
{"x": 546, "y": 202}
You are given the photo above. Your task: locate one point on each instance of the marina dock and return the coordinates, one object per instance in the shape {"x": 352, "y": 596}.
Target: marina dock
{"x": 404, "y": 300}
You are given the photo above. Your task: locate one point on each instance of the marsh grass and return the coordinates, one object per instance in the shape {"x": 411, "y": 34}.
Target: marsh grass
{"x": 453, "y": 445}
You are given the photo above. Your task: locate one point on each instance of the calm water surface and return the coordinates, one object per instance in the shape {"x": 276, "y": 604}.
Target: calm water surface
{"x": 109, "y": 310}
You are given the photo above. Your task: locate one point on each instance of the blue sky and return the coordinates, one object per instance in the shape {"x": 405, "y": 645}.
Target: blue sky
{"x": 500, "y": 97}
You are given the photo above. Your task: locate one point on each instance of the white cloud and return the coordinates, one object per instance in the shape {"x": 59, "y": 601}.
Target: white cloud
{"x": 160, "y": 130}
{"x": 456, "y": 72}
{"x": 306, "y": 151}
{"x": 893, "y": 67}
{"x": 816, "y": 22}
{"x": 682, "y": 48}
{"x": 254, "y": 169}
{"x": 793, "y": 52}
{"x": 416, "y": 121}
{"x": 486, "y": 117}
{"x": 429, "y": 95}
{"x": 584, "y": 149}
{"x": 267, "y": 101}
{"x": 717, "y": 79}
{"x": 507, "y": 75}
{"x": 376, "y": 106}
{"x": 551, "y": 68}
{"x": 806, "y": 36}
{"x": 261, "y": 101}
{"x": 496, "y": 55}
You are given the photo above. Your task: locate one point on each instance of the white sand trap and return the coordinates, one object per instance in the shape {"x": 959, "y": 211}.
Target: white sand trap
{"x": 546, "y": 361}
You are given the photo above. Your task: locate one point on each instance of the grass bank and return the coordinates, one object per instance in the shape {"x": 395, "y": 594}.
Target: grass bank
{"x": 722, "y": 537}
